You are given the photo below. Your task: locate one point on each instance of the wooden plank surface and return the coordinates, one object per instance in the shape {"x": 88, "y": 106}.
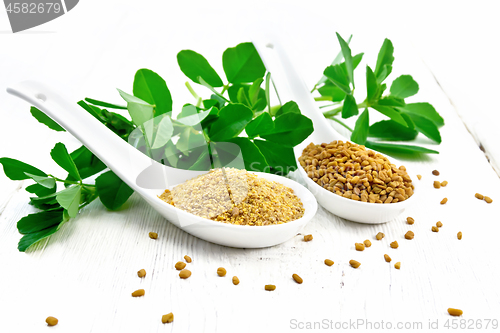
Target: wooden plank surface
{"x": 85, "y": 273}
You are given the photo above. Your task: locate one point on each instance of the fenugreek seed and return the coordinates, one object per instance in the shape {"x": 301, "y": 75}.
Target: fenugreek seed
{"x": 297, "y": 278}
{"x": 394, "y": 245}
{"x": 359, "y": 246}
{"x": 435, "y": 229}
{"x": 445, "y": 200}
{"x": 444, "y": 183}
{"x": 270, "y": 287}
{"x": 379, "y": 236}
{"x": 419, "y": 177}
{"x": 141, "y": 273}
{"x": 188, "y": 259}
{"x": 435, "y": 173}
{"x": 308, "y": 238}
{"x": 455, "y": 312}
{"x": 387, "y": 258}
{"x": 138, "y": 293}
{"x": 367, "y": 243}
{"x": 353, "y": 172}
{"x": 153, "y": 235}
{"x": 409, "y": 235}
{"x": 488, "y": 199}
{"x": 221, "y": 271}
{"x": 410, "y": 220}
{"x": 168, "y": 318}
{"x": 184, "y": 274}
{"x": 439, "y": 224}
{"x": 329, "y": 262}
{"x": 459, "y": 235}
{"x": 397, "y": 265}
{"x": 354, "y": 263}
{"x": 479, "y": 196}
{"x": 180, "y": 265}
{"x": 437, "y": 184}
{"x": 236, "y": 281}
{"x": 51, "y": 321}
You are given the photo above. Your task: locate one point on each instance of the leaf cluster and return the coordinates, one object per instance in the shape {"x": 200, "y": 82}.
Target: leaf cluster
{"x": 405, "y": 120}
{"x": 234, "y": 126}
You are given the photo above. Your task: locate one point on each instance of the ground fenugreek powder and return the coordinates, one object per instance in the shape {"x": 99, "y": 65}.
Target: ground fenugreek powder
{"x": 353, "y": 172}
{"x": 236, "y": 196}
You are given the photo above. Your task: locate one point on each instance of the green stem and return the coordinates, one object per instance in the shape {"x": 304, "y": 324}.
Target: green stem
{"x": 314, "y": 88}
{"x": 341, "y": 123}
{"x": 66, "y": 181}
{"x": 323, "y": 98}
{"x": 224, "y": 88}
{"x": 335, "y": 111}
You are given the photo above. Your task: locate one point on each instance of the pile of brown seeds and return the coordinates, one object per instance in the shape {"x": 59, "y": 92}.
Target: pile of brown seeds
{"x": 353, "y": 172}
{"x": 235, "y": 196}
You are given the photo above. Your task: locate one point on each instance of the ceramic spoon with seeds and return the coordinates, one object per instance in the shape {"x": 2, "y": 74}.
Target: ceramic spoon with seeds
{"x": 149, "y": 178}
{"x": 290, "y": 86}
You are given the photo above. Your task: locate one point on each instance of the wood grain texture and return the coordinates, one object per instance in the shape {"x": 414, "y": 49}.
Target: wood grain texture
{"x": 84, "y": 274}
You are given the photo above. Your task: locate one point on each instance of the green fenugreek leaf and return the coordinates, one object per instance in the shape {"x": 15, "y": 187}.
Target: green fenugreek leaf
{"x": 63, "y": 159}
{"x": 194, "y": 66}
{"x": 150, "y": 87}
{"x": 46, "y": 120}
{"x": 360, "y": 132}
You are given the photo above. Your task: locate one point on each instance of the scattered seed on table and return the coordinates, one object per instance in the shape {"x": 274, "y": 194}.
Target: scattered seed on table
{"x": 141, "y": 273}
{"x": 270, "y": 287}
{"x": 308, "y": 238}
{"x": 184, "y": 274}
{"x": 188, "y": 259}
{"x": 437, "y": 184}
{"x": 379, "y": 236}
{"x": 479, "y": 196}
{"x": 488, "y": 199}
{"x": 180, "y": 265}
{"x": 359, "y": 246}
{"x": 445, "y": 200}
{"x": 168, "y": 318}
{"x": 153, "y": 235}
{"x": 236, "y": 281}
{"x": 354, "y": 263}
{"x": 221, "y": 271}
{"x": 297, "y": 278}
{"x": 419, "y": 177}
{"x": 397, "y": 265}
{"x": 435, "y": 173}
{"x": 394, "y": 245}
{"x": 51, "y": 321}
{"x": 435, "y": 229}
{"x": 459, "y": 235}
{"x": 387, "y": 258}
{"x": 439, "y": 224}
{"x": 409, "y": 235}
{"x": 444, "y": 183}
{"x": 329, "y": 262}
{"x": 367, "y": 243}
{"x": 455, "y": 312}
{"x": 410, "y": 220}
{"x": 138, "y": 293}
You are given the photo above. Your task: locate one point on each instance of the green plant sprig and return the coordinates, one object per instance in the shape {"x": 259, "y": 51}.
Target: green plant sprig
{"x": 235, "y": 123}
{"x": 405, "y": 121}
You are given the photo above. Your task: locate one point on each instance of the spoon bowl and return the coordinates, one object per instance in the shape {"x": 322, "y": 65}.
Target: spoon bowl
{"x": 149, "y": 178}
{"x": 290, "y": 86}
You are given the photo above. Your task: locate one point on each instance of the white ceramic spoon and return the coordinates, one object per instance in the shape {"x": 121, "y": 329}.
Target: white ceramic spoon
{"x": 290, "y": 86}
{"x": 149, "y": 178}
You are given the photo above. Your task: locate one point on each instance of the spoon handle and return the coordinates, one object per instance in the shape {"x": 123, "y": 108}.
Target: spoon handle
{"x": 126, "y": 161}
{"x": 291, "y": 86}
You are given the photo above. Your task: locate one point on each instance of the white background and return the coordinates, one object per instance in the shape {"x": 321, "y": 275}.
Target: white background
{"x": 84, "y": 274}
